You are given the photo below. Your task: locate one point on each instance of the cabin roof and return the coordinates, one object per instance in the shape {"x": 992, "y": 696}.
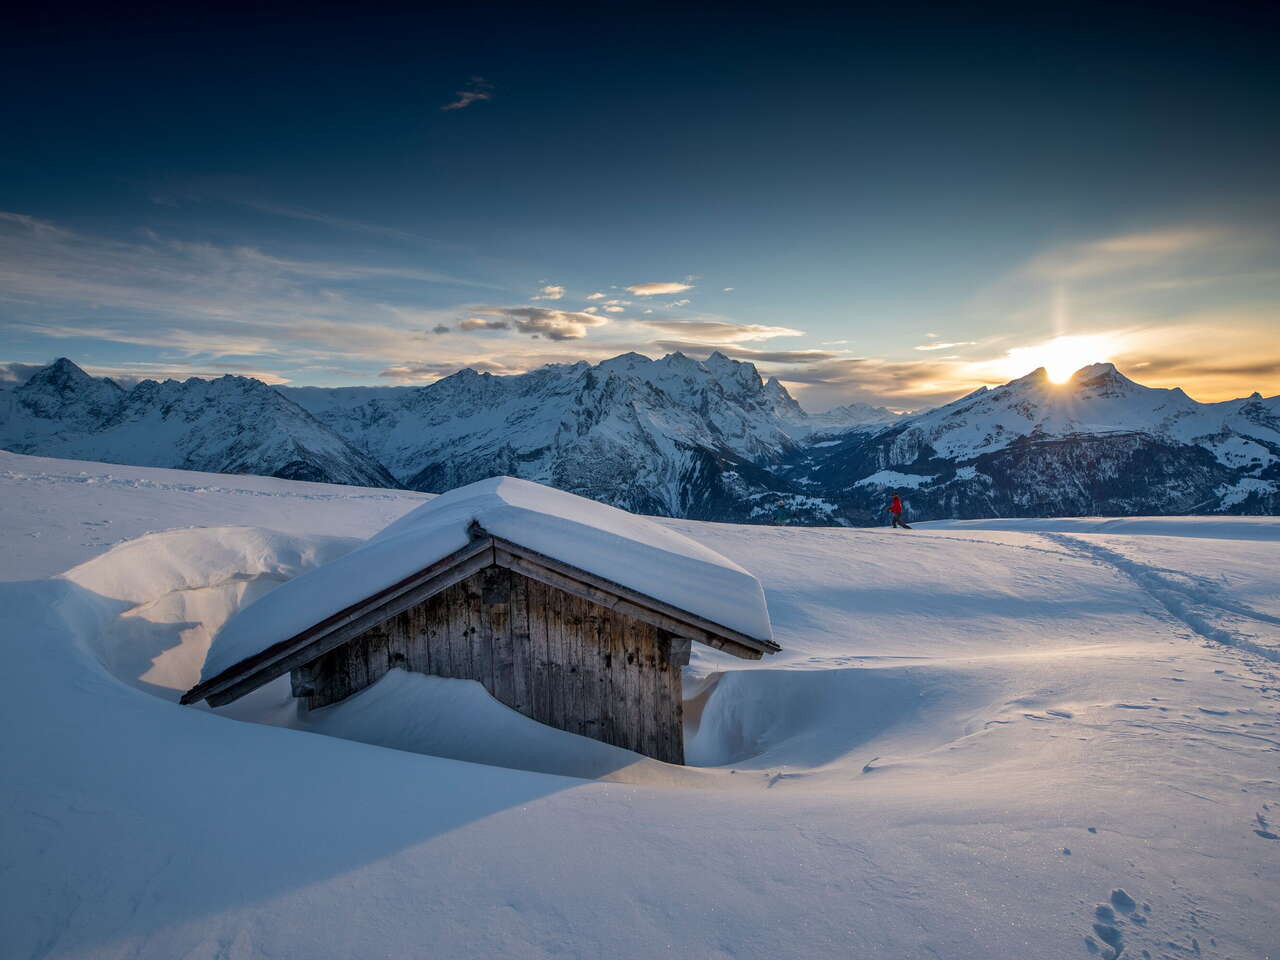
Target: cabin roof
{"x": 619, "y": 559}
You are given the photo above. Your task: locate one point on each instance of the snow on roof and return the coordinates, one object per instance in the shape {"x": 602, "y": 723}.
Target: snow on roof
{"x": 630, "y": 550}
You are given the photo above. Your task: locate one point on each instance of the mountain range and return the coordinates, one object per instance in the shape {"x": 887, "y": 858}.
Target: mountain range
{"x": 675, "y": 436}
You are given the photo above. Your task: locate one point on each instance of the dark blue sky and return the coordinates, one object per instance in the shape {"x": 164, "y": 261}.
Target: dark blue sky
{"x": 283, "y": 193}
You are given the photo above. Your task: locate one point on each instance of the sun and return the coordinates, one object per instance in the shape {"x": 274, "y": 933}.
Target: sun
{"x": 1060, "y": 357}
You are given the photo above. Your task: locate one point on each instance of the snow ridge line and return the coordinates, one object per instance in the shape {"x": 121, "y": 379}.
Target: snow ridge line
{"x": 1175, "y": 597}
{"x": 142, "y": 483}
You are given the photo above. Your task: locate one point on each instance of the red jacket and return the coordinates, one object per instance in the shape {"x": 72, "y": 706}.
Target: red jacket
{"x": 896, "y": 507}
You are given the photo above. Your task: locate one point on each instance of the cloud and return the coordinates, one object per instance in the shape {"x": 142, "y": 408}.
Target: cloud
{"x": 679, "y": 303}
{"x": 946, "y": 346}
{"x": 615, "y": 309}
{"x": 536, "y": 321}
{"x": 550, "y": 292}
{"x": 483, "y": 323}
{"x": 728, "y": 289}
{"x": 714, "y": 330}
{"x": 18, "y": 372}
{"x": 477, "y": 89}
{"x": 1125, "y": 253}
{"x": 439, "y": 328}
{"x": 340, "y": 223}
{"x": 596, "y": 296}
{"x": 659, "y": 287}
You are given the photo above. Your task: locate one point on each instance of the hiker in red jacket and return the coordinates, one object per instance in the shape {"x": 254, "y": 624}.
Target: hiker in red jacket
{"x": 895, "y": 513}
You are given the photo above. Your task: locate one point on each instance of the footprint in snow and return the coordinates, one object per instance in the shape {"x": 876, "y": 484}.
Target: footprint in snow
{"x": 1216, "y": 713}
{"x": 1107, "y": 939}
{"x": 1264, "y": 828}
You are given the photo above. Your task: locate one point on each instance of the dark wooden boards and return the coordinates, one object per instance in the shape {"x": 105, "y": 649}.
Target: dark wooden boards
{"x": 558, "y": 658}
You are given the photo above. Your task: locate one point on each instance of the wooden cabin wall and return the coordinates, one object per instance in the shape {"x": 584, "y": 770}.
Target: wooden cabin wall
{"x": 557, "y": 658}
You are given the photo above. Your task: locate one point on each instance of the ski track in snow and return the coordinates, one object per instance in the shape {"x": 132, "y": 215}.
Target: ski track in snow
{"x": 1179, "y": 593}
{"x": 171, "y": 487}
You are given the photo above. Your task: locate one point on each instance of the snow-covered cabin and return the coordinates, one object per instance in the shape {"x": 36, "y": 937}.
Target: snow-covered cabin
{"x": 574, "y": 613}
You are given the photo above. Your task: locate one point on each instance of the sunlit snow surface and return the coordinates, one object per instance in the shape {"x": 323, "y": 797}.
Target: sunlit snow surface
{"x": 956, "y": 708}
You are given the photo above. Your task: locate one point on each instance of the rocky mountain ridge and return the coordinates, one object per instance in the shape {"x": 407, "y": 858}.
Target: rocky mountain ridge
{"x": 676, "y": 436}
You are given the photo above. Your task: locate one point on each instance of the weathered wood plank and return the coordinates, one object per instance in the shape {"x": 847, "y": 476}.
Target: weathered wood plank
{"x": 671, "y": 714}
{"x": 646, "y": 728}
{"x": 459, "y": 627}
{"x": 480, "y": 638}
{"x": 539, "y": 658}
{"x": 598, "y": 686}
{"x": 521, "y": 652}
{"x": 581, "y": 624}
{"x": 621, "y": 679}
{"x": 554, "y": 614}
{"x": 498, "y": 624}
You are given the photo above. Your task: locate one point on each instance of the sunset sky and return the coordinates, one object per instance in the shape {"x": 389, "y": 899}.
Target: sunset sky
{"x": 894, "y": 207}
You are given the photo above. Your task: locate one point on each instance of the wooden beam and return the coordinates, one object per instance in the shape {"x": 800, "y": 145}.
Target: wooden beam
{"x": 677, "y": 650}
{"x": 614, "y": 596}
{"x": 420, "y": 585}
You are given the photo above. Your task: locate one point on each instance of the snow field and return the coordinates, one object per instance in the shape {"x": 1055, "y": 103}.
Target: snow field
{"x": 955, "y": 709}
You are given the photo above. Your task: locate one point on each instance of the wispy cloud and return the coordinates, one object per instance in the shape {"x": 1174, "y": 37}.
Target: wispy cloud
{"x": 550, "y": 292}
{"x": 196, "y": 297}
{"x": 478, "y": 89}
{"x": 659, "y": 287}
{"x": 716, "y": 330}
{"x": 329, "y": 220}
{"x": 596, "y": 296}
{"x": 1127, "y": 252}
{"x": 946, "y": 346}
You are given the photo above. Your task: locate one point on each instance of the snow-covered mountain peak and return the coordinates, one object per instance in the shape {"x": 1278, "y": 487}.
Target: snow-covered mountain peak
{"x": 1036, "y": 378}
{"x": 65, "y": 392}
{"x": 231, "y": 424}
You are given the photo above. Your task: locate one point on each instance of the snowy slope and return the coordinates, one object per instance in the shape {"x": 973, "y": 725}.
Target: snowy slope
{"x": 1025, "y": 742}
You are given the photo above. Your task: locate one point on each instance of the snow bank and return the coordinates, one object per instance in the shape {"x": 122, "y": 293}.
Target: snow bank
{"x": 611, "y": 543}
{"x": 140, "y": 570}
{"x": 458, "y": 719}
